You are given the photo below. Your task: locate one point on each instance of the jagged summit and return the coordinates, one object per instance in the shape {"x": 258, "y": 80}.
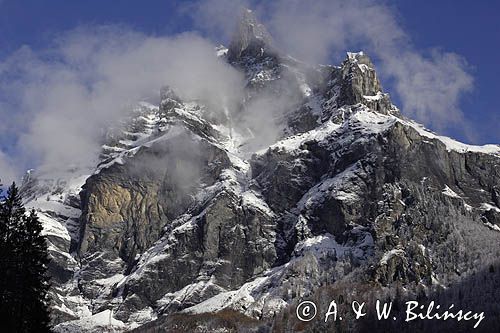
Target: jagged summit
{"x": 360, "y": 58}
{"x": 189, "y": 213}
{"x": 251, "y": 37}
{"x": 361, "y": 84}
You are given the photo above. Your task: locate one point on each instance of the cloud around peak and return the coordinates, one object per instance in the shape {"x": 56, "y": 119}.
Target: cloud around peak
{"x": 428, "y": 83}
{"x": 65, "y": 96}
{"x": 56, "y": 102}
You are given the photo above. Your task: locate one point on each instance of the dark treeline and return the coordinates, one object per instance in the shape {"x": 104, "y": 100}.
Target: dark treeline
{"x": 23, "y": 264}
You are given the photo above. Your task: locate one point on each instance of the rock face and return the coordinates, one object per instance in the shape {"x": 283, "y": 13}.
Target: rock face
{"x": 126, "y": 206}
{"x": 251, "y": 38}
{"x": 181, "y": 221}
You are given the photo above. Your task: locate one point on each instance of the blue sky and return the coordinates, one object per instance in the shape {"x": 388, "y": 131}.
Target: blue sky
{"x": 466, "y": 29}
{"x": 469, "y": 28}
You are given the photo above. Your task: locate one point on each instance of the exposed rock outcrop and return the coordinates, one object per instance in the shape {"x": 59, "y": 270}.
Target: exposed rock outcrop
{"x": 185, "y": 215}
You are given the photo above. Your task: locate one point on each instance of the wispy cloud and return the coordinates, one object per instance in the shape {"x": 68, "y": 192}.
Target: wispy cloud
{"x": 9, "y": 172}
{"x": 66, "y": 95}
{"x": 429, "y": 83}
{"x": 215, "y": 18}
{"x": 55, "y": 103}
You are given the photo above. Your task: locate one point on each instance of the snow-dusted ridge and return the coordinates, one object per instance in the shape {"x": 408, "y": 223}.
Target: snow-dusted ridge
{"x": 264, "y": 293}
{"x": 256, "y": 297}
{"x": 453, "y": 145}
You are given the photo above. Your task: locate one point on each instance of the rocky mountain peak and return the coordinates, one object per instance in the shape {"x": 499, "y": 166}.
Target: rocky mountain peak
{"x": 360, "y": 84}
{"x": 188, "y": 214}
{"x": 168, "y": 93}
{"x": 169, "y": 99}
{"x": 359, "y": 69}
{"x": 359, "y": 58}
{"x": 251, "y": 37}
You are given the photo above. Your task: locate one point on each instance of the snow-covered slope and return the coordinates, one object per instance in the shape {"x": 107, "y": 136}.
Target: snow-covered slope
{"x": 188, "y": 213}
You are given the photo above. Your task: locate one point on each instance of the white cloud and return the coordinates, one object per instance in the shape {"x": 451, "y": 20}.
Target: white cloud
{"x": 8, "y": 172}
{"x": 68, "y": 94}
{"x": 215, "y": 18}
{"x": 431, "y": 88}
{"x": 429, "y": 84}
{"x": 56, "y": 102}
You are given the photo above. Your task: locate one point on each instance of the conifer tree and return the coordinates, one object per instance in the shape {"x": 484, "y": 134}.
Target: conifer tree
{"x": 24, "y": 259}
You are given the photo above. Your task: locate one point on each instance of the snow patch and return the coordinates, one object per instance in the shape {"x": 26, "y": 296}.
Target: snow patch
{"x": 294, "y": 142}
{"x": 492, "y": 226}
{"x": 449, "y": 192}
{"x": 453, "y": 145}
{"x": 487, "y": 206}
{"x": 99, "y": 322}
{"x": 389, "y": 254}
{"x": 380, "y": 95}
{"x": 331, "y": 187}
{"x": 251, "y": 199}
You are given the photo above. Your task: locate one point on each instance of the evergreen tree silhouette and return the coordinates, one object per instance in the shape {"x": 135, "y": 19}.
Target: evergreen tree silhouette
{"x": 24, "y": 258}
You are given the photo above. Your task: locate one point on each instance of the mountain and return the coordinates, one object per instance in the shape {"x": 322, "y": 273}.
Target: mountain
{"x": 225, "y": 221}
